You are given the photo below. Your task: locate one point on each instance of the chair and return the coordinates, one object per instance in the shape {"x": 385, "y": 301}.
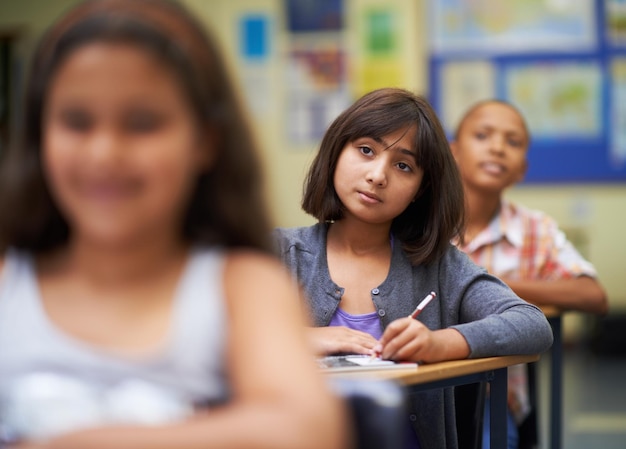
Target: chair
{"x": 378, "y": 409}
{"x": 469, "y": 402}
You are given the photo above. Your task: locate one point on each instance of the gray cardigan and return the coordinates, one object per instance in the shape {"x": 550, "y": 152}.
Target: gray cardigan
{"x": 493, "y": 319}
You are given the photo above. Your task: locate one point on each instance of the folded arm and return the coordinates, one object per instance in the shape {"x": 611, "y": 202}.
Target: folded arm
{"x": 583, "y": 293}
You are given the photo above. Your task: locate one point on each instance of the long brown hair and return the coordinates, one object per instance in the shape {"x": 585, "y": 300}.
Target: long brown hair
{"x": 227, "y": 205}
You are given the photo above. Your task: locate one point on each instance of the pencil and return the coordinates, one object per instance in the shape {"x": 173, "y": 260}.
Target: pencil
{"x": 422, "y": 304}
{"x": 416, "y": 312}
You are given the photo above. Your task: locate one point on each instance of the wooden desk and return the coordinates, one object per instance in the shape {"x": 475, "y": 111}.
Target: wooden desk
{"x": 460, "y": 372}
{"x": 554, "y": 316}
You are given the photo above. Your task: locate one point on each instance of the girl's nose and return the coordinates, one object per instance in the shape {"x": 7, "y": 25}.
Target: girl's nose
{"x": 377, "y": 175}
{"x": 103, "y": 147}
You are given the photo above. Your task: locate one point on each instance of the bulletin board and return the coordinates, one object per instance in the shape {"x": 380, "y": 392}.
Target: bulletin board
{"x": 562, "y": 63}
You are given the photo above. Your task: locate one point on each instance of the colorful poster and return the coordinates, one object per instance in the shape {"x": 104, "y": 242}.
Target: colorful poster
{"x": 314, "y": 15}
{"x": 254, "y": 33}
{"x": 254, "y": 36}
{"x": 462, "y": 84}
{"x": 558, "y": 99}
{"x": 380, "y": 33}
{"x": 512, "y": 25}
{"x": 615, "y": 21}
{"x": 618, "y": 112}
{"x": 316, "y": 88}
{"x": 380, "y": 39}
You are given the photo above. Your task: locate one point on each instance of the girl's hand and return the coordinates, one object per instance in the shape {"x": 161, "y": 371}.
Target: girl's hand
{"x": 405, "y": 339}
{"x": 408, "y": 339}
{"x": 334, "y": 339}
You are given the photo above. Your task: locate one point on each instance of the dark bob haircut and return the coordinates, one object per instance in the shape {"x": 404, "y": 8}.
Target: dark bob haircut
{"x": 427, "y": 225}
{"x": 227, "y": 205}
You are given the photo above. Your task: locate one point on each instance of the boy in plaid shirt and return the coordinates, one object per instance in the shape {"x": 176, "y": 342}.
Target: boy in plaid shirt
{"x": 524, "y": 247}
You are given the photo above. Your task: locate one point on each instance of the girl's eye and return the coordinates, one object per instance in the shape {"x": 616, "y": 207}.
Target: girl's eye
{"x": 404, "y": 166}
{"x": 366, "y": 150}
{"x": 76, "y": 121}
{"x": 143, "y": 122}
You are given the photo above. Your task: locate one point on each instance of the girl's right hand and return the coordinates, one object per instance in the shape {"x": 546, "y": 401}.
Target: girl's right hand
{"x": 338, "y": 339}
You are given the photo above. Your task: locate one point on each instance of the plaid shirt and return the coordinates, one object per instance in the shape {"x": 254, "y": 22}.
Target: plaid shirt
{"x": 519, "y": 244}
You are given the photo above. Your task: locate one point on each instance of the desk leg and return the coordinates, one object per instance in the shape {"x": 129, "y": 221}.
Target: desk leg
{"x": 498, "y": 407}
{"x": 556, "y": 384}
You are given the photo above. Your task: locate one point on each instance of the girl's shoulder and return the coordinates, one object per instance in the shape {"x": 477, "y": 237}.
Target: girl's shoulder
{"x": 304, "y": 236}
{"x": 250, "y": 273}
{"x": 244, "y": 263}
{"x": 459, "y": 265}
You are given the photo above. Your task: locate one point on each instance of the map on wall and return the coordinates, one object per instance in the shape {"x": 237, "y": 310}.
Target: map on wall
{"x": 558, "y": 99}
{"x": 618, "y": 112}
{"x": 464, "y": 83}
{"x": 615, "y": 18}
{"x": 513, "y": 25}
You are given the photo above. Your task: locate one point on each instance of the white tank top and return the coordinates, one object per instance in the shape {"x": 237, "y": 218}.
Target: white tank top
{"x": 51, "y": 383}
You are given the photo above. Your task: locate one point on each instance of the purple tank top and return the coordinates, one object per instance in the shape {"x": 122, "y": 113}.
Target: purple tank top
{"x": 367, "y": 322}
{"x": 370, "y": 323}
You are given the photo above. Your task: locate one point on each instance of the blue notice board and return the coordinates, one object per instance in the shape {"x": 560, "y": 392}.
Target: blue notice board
{"x": 564, "y": 69}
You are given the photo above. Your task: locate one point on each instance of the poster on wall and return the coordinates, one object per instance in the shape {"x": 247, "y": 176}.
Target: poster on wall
{"x": 380, "y": 35}
{"x": 512, "y": 26}
{"x": 548, "y": 58}
{"x": 615, "y": 22}
{"x": 254, "y": 55}
{"x": 316, "y": 88}
{"x": 557, "y": 98}
{"x": 462, "y": 84}
{"x": 304, "y": 16}
{"x": 618, "y": 112}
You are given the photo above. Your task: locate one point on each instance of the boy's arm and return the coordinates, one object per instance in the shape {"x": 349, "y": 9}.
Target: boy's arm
{"x": 583, "y": 293}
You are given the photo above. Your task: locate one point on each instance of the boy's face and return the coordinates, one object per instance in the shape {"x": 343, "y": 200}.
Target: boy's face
{"x": 491, "y": 147}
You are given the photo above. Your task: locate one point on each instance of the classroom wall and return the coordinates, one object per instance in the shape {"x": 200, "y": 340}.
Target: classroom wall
{"x": 593, "y": 215}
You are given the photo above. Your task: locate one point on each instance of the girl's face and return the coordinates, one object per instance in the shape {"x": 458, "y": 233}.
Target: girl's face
{"x": 121, "y": 146}
{"x": 490, "y": 149}
{"x": 376, "y": 179}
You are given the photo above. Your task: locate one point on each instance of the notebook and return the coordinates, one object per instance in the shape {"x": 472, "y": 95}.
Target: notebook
{"x": 360, "y": 363}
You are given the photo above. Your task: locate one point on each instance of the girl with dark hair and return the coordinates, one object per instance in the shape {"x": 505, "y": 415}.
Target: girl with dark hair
{"x": 140, "y": 304}
{"x": 388, "y": 198}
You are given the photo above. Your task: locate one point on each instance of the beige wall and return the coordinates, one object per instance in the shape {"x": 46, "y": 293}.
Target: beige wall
{"x": 594, "y": 214}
